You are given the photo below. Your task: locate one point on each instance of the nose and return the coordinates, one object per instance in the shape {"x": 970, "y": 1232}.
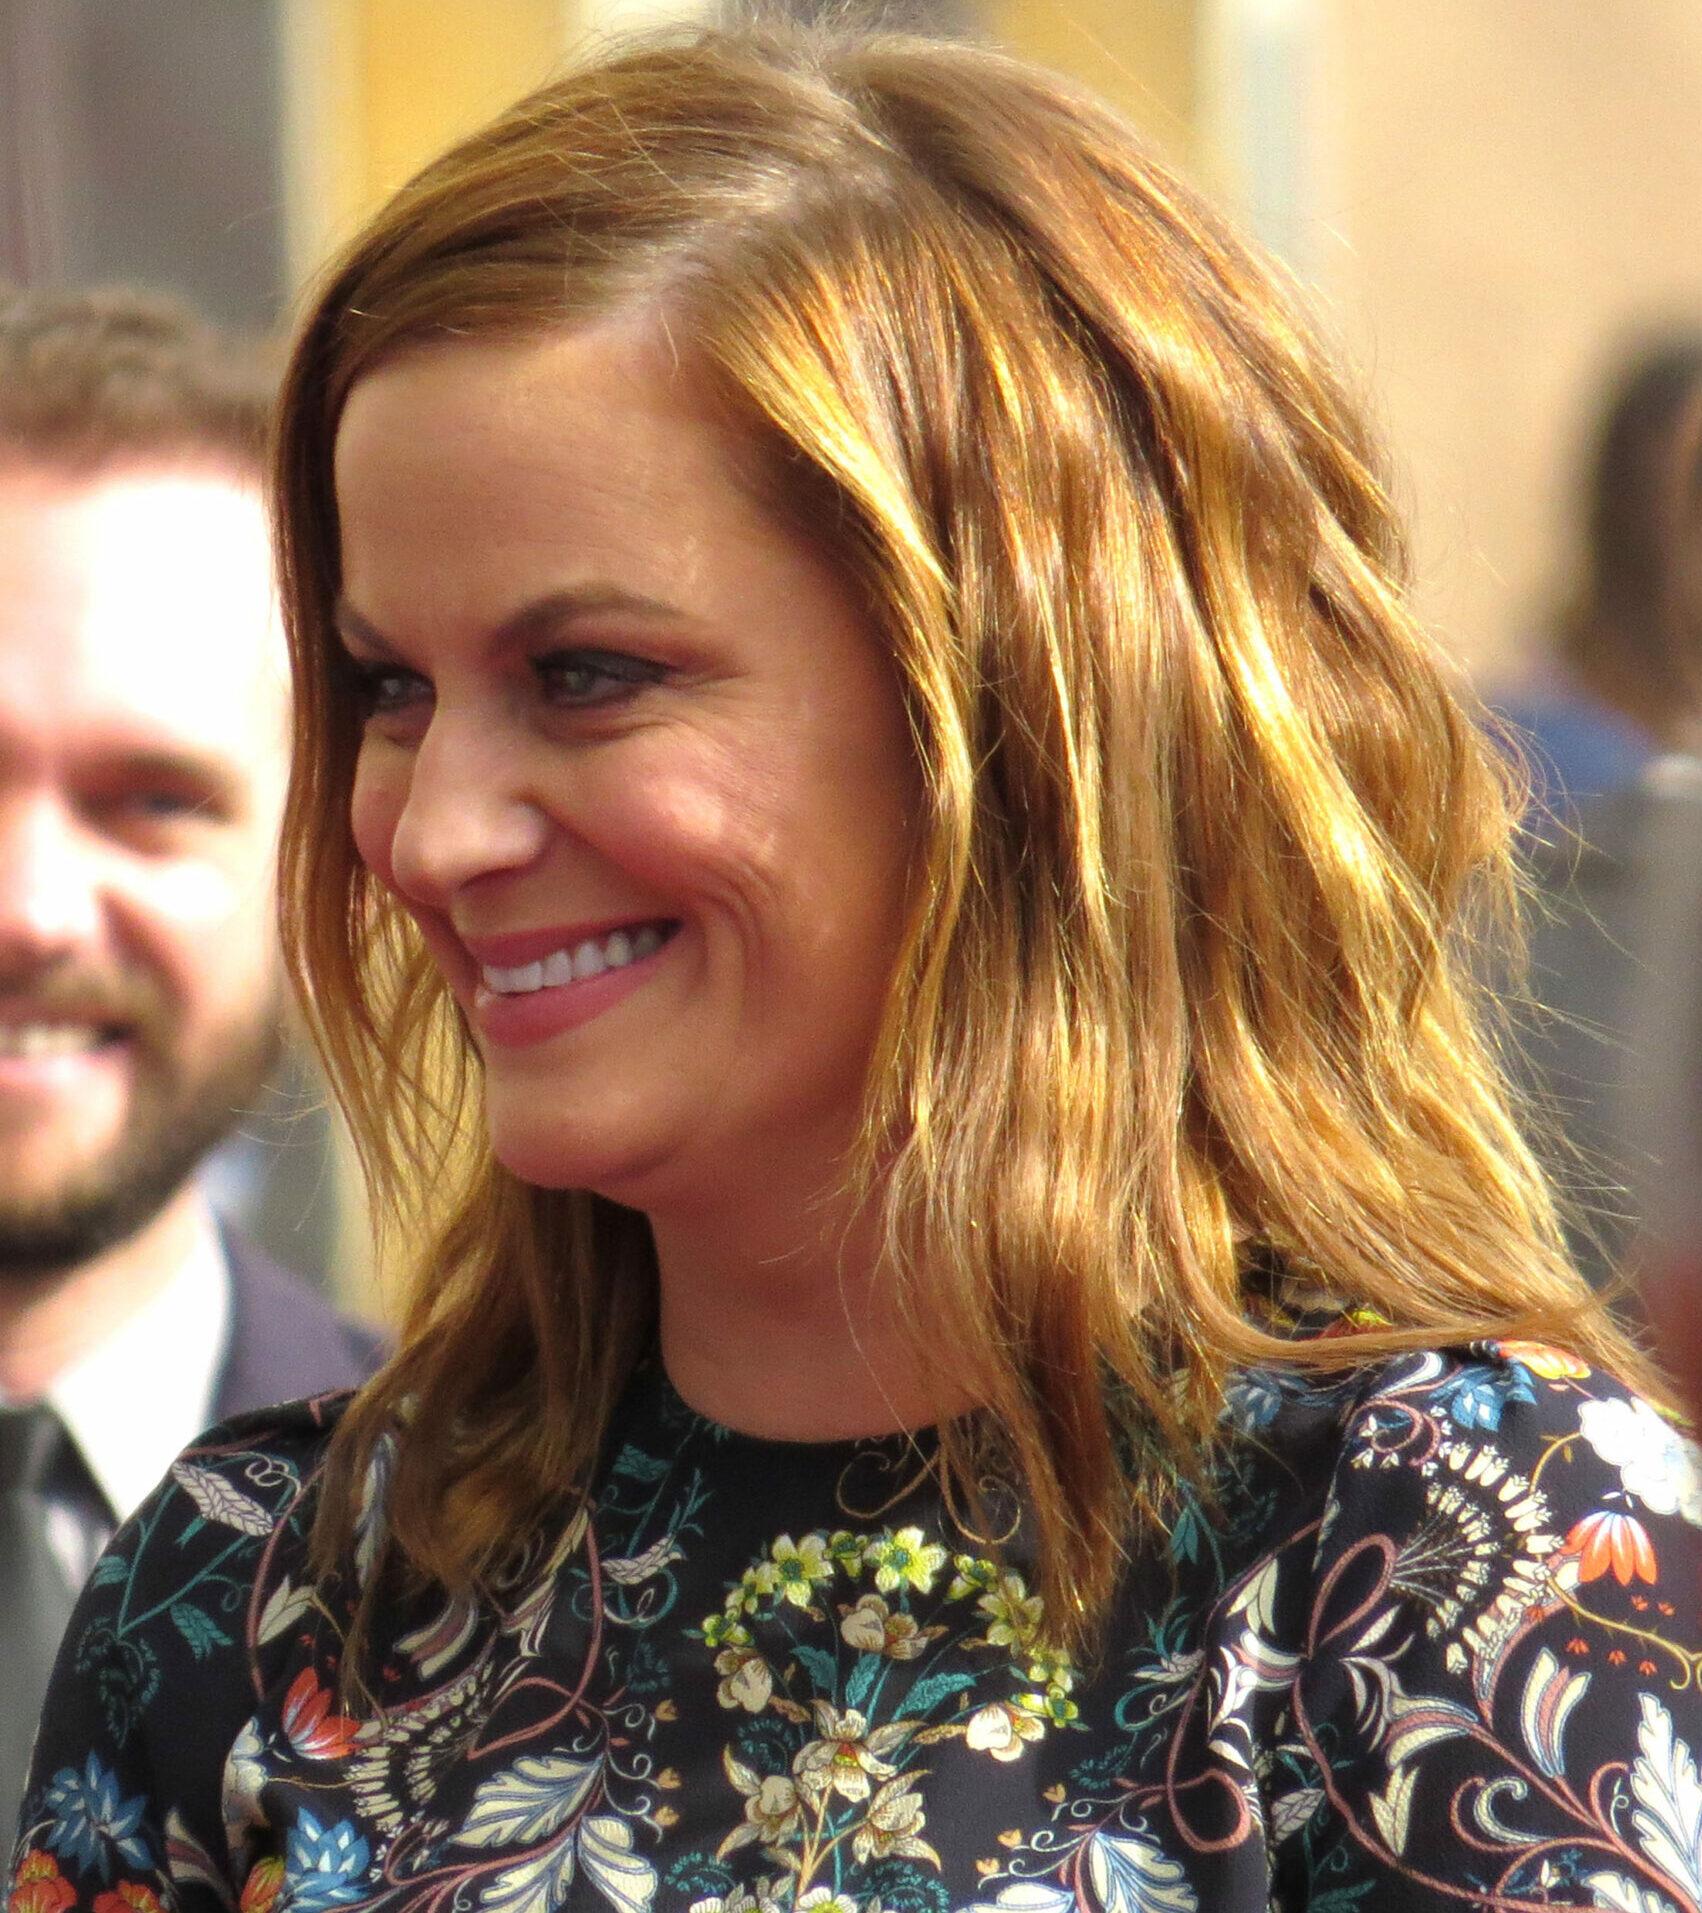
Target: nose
{"x": 465, "y": 815}
{"x": 50, "y": 889}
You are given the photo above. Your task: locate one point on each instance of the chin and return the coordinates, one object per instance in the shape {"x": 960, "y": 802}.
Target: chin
{"x": 564, "y": 1157}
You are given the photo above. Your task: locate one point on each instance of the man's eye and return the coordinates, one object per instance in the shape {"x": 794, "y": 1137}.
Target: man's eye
{"x": 162, "y": 805}
{"x": 578, "y": 679}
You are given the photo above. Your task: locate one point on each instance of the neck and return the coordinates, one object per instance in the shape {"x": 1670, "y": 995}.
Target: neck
{"x": 50, "y": 1321}
{"x": 786, "y": 1324}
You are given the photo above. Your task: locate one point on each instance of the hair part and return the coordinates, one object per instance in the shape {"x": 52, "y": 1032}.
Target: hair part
{"x": 1185, "y": 996}
{"x": 90, "y": 379}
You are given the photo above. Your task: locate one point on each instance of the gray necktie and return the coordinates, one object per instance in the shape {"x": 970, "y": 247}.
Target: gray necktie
{"x": 35, "y": 1597}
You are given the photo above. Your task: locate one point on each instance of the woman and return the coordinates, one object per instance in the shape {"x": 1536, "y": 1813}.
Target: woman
{"x": 871, "y": 825}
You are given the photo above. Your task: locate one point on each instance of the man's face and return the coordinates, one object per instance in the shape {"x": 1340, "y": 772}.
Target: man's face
{"x": 143, "y": 719}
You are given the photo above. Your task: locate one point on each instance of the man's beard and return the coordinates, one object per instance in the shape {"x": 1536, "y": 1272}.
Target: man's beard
{"x": 175, "y": 1118}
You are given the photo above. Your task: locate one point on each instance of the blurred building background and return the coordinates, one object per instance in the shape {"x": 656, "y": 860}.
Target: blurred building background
{"x": 1488, "y": 201}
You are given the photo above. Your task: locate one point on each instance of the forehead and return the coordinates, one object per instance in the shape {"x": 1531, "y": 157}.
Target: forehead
{"x": 463, "y": 469}
{"x": 139, "y": 597}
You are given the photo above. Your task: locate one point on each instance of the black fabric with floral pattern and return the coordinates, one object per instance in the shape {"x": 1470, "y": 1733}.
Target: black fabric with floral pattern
{"x": 1437, "y": 1642}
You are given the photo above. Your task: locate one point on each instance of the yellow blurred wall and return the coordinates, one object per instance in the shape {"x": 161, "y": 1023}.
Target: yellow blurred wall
{"x": 378, "y": 86}
{"x": 1142, "y": 56}
{"x": 1509, "y": 191}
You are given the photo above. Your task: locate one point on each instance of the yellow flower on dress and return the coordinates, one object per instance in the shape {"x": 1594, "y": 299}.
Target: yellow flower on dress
{"x": 725, "y": 1630}
{"x": 795, "y": 1569}
{"x": 904, "y": 1559}
{"x": 1014, "y": 1615}
{"x": 973, "y": 1576}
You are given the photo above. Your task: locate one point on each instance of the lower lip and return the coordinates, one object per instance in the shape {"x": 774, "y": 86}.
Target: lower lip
{"x": 73, "y": 1073}
{"x": 516, "y": 1022}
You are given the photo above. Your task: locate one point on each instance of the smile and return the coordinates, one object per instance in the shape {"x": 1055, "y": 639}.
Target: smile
{"x": 34, "y": 1040}
{"x": 586, "y": 960}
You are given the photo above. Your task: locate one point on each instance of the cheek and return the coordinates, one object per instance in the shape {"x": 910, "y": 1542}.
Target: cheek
{"x": 684, "y": 818}
{"x": 201, "y": 894}
{"x": 208, "y": 927}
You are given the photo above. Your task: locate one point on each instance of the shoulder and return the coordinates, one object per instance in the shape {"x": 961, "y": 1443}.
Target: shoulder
{"x": 197, "y": 1584}
{"x": 178, "y": 1600}
{"x": 286, "y": 1340}
{"x": 1575, "y": 1464}
{"x": 1495, "y": 1632}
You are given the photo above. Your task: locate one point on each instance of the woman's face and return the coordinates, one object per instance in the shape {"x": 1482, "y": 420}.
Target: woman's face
{"x": 633, "y": 760}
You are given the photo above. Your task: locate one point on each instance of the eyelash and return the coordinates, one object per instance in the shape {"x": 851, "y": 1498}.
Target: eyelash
{"x": 626, "y": 673}
{"x": 387, "y": 689}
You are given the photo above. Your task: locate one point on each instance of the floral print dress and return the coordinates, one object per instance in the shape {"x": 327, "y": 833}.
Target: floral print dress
{"x": 1435, "y": 1640}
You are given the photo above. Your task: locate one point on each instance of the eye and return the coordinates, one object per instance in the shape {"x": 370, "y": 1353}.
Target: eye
{"x": 581, "y": 679}
{"x": 153, "y": 812}
{"x": 384, "y": 690}
{"x": 162, "y": 806}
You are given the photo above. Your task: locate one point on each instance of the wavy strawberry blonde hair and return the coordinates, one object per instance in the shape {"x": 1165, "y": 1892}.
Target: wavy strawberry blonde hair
{"x": 1183, "y": 998}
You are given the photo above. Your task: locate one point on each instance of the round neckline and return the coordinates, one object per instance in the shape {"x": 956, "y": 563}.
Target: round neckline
{"x": 652, "y": 1380}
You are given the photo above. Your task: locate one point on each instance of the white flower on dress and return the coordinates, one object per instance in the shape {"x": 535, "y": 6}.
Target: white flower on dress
{"x": 1658, "y": 1465}
{"x": 1001, "y": 1729}
{"x": 848, "y": 1756}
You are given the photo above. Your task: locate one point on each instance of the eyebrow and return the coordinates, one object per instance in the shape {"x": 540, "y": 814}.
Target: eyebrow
{"x": 532, "y": 621}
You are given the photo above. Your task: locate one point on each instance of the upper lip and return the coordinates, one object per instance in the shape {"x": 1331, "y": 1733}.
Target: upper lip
{"x": 18, "y": 1012}
{"x": 511, "y": 948}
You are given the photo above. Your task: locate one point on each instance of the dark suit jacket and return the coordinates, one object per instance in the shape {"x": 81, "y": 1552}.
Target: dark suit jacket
{"x": 286, "y": 1340}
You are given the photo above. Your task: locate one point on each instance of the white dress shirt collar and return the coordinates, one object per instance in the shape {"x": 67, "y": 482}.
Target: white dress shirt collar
{"x": 140, "y": 1397}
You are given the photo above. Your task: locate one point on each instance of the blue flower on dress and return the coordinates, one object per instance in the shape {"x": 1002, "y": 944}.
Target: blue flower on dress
{"x": 1477, "y": 1396}
{"x": 323, "y": 1865}
{"x": 92, "y": 1821}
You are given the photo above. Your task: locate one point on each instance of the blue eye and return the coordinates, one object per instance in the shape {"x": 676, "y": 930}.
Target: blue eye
{"x": 580, "y": 678}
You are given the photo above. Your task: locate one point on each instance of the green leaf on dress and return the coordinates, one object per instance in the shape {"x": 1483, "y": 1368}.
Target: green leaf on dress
{"x": 199, "y": 1629}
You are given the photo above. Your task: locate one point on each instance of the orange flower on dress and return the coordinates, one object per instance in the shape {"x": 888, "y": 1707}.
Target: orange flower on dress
{"x": 1607, "y": 1540}
{"x": 129, "y": 1896}
{"x": 314, "y": 1731}
{"x": 1552, "y": 1364}
{"x": 39, "y": 1887}
{"x": 260, "y": 1889}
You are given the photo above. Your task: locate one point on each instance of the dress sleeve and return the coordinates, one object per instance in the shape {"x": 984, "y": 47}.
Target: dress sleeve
{"x": 1498, "y": 1683}
{"x": 155, "y": 1679}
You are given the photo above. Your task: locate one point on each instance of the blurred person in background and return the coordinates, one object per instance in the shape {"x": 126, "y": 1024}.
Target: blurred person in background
{"x": 143, "y": 731}
{"x": 1622, "y": 681}
{"x": 1619, "y": 696}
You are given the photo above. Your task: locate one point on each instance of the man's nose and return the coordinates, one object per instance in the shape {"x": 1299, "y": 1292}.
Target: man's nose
{"x": 466, "y": 815}
{"x": 50, "y": 901}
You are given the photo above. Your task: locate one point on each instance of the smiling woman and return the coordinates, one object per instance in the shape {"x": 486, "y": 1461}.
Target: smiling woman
{"x": 995, "y": 1342}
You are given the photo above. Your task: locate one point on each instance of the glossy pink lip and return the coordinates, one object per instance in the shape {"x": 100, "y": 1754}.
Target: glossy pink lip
{"x": 509, "y": 951}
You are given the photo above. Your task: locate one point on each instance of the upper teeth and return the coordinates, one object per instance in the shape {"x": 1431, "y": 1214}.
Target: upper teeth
{"x": 47, "y": 1039}
{"x": 591, "y": 958}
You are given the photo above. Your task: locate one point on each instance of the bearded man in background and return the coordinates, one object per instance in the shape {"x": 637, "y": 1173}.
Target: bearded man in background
{"x": 143, "y": 747}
